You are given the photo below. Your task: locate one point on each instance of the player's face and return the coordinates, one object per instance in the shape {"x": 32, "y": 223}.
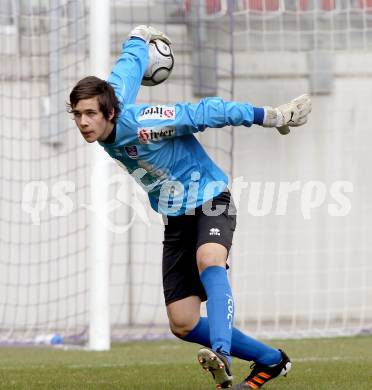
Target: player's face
{"x": 89, "y": 119}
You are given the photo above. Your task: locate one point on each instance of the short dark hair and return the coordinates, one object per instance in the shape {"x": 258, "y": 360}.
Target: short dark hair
{"x": 92, "y": 86}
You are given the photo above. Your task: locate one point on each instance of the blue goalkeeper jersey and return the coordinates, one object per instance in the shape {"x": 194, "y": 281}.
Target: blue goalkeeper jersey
{"x": 156, "y": 143}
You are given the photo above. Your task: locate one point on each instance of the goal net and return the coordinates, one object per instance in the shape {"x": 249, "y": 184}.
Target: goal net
{"x": 300, "y": 260}
{"x": 43, "y": 247}
{"x": 301, "y": 257}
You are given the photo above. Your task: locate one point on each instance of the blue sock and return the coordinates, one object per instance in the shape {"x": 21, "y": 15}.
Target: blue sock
{"x": 220, "y": 308}
{"x": 242, "y": 346}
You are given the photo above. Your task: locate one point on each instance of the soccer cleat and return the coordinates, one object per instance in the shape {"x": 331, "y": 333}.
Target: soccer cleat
{"x": 262, "y": 374}
{"x": 218, "y": 365}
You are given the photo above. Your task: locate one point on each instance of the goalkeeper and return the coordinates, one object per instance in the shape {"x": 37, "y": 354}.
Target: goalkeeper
{"x": 156, "y": 144}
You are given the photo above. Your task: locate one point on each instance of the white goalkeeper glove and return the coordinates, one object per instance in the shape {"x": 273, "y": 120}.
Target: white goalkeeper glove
{"x": 148, "y": 33}
{"x": 291, "y": 114}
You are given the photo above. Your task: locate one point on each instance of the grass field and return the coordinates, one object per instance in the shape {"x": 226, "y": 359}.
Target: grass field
{"x": 342, "y": 363}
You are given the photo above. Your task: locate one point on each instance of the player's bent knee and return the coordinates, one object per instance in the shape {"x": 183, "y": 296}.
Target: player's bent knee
{"x": 184, "y": 315}
{"x": 181, "y": 328}
{"x": 203, "y": 264}
{"x": 210, "y": 262}
{"x": 211, "y": 254}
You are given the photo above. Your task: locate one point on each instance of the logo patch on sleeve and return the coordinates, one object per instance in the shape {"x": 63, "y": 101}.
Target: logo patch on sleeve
{"x": 158, "y": 112}
{"x": 147, "y": 135}
{"x": 131, "y": 151}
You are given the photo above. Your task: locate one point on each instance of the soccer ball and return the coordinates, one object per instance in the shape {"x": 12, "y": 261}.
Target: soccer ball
{"x": 161, "y": 61}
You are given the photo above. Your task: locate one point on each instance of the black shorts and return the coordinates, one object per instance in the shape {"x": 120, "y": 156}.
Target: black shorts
{"x": 184, "y": 234}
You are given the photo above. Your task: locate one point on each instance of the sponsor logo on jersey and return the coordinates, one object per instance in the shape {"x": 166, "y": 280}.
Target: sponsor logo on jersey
{"x": 132, "y": 151}
{"x": 147, "y": 135}
{"x": 158, "y": 112}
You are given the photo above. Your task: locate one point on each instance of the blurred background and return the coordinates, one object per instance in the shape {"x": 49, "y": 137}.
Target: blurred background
{"x": 301, "y": 263}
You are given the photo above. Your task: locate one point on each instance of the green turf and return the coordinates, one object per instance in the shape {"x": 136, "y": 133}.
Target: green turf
{"x": 342, "y": 363}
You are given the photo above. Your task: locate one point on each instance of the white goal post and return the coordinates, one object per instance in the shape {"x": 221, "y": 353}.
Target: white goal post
{"x": 99, "y": 324}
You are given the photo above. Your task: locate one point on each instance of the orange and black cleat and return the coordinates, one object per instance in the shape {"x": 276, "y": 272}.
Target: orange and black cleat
{"x": 262, "y": 374}
{"x": 218, "y": 365}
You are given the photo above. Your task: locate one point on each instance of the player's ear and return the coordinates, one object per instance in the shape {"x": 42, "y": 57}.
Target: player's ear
{"x": 111, "y": 115}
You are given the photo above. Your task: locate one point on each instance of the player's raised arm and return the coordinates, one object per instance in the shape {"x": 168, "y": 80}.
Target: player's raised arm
{"x": 187, "y": 118}
{"x": 127, "y": 74}
{"x": 215, "y": 112}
